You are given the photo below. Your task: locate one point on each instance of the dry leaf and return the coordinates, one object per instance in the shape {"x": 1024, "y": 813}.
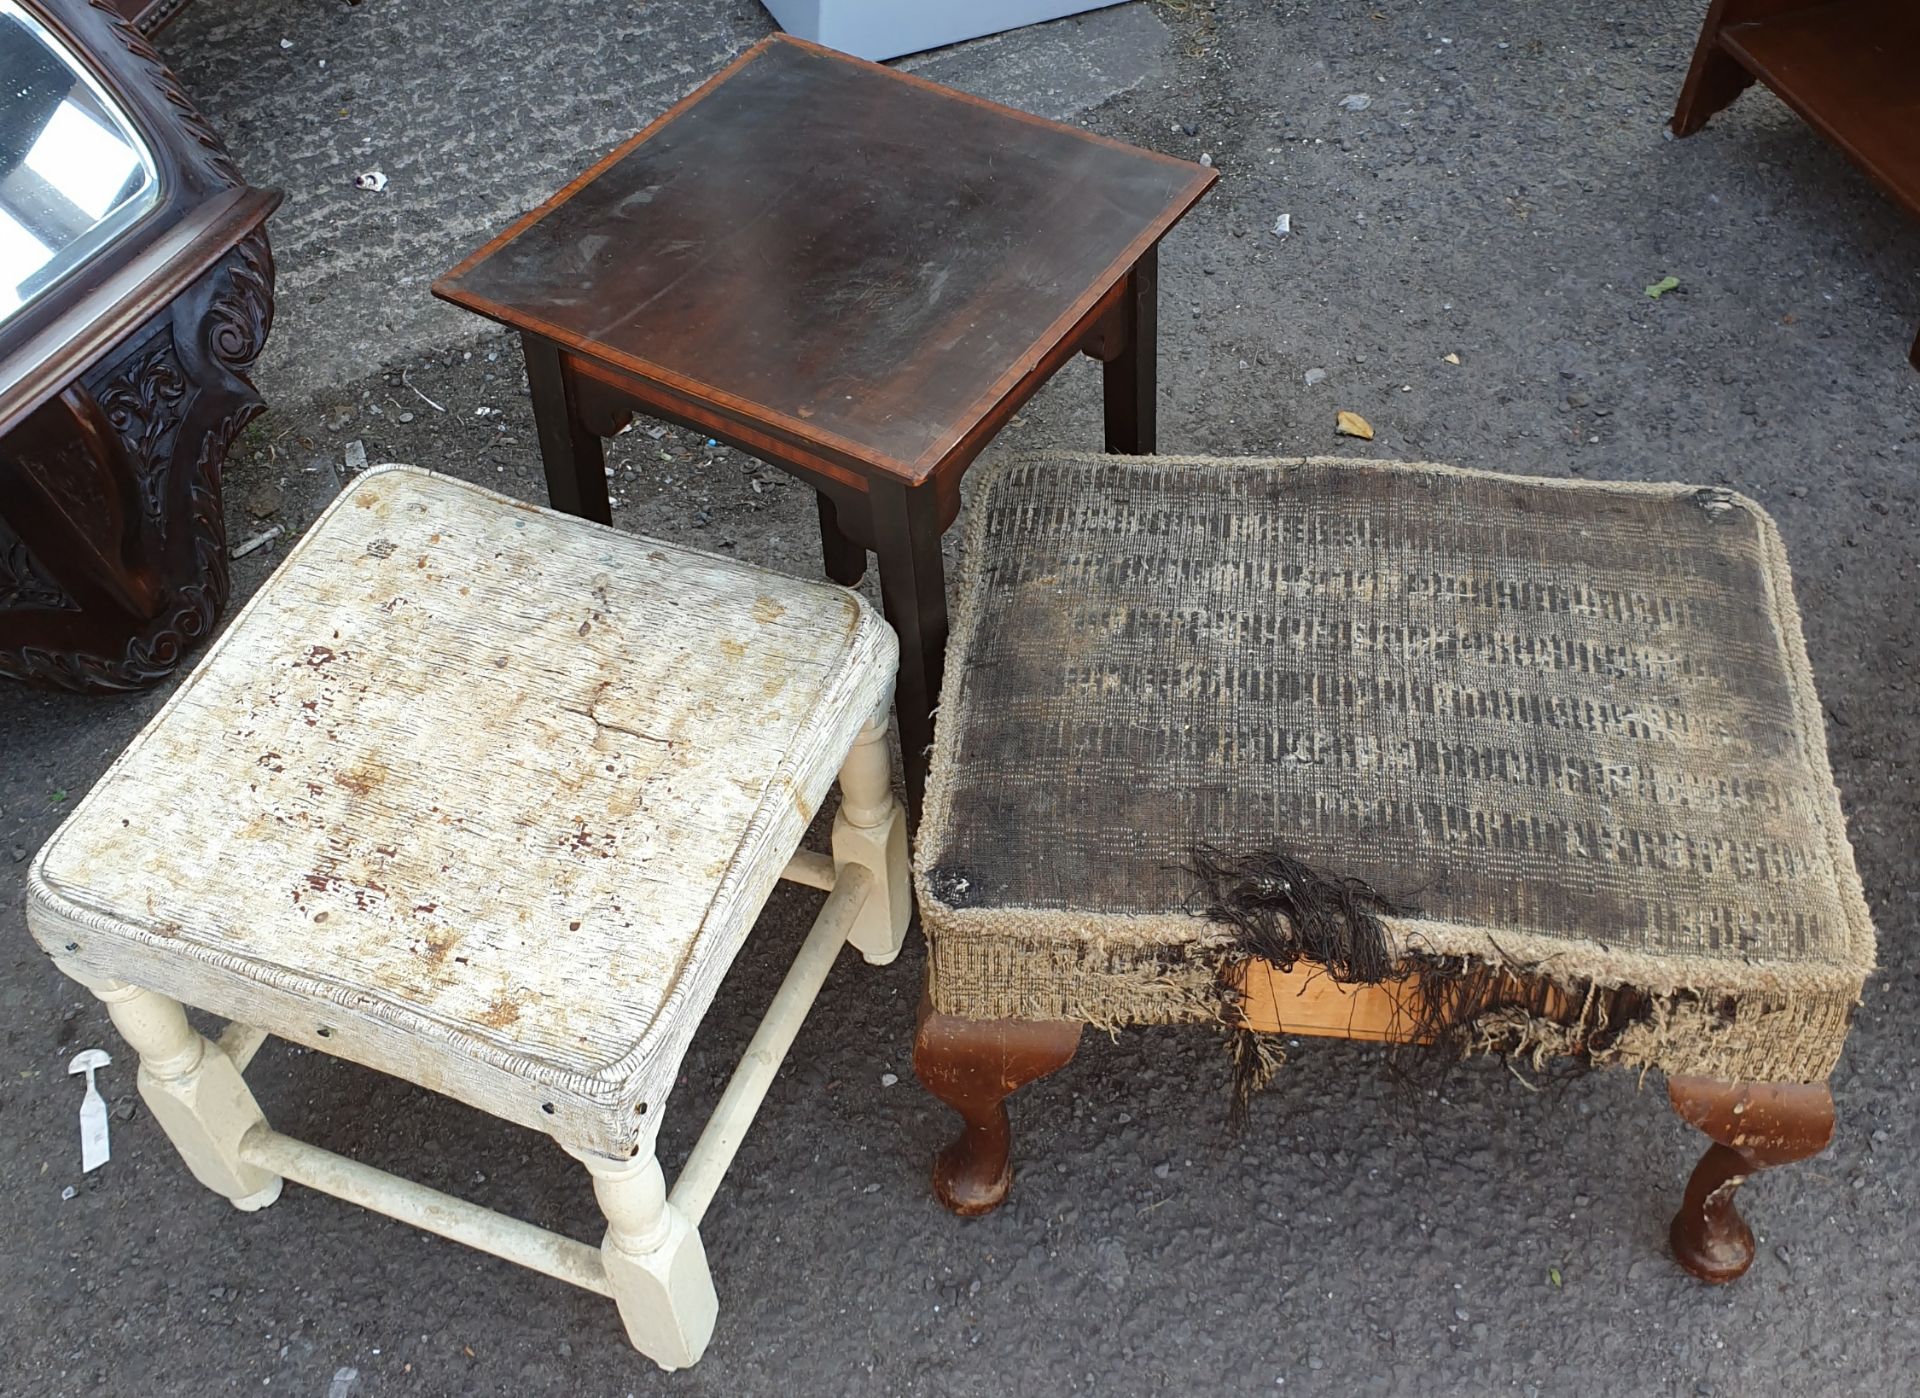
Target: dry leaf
{"x": 1353, "y": 425}
{"x": 1451, "y": 358}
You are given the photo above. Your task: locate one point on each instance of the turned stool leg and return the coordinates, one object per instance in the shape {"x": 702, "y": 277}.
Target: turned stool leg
{"x": 870, "y": 829}
{"x": 194, "y": 1091}
{"x": 1754, "y": 1126}
{"x": 973, "y": 1065}
{"x": 654, "y": 1260}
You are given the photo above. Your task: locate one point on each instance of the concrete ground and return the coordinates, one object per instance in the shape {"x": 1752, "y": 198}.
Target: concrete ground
{"x": 1505, "y": 197}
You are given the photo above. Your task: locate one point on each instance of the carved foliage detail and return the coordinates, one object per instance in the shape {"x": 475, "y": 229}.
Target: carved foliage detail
{"x": 242, "y": 309}
{"x": 157, "y": 13}
{"x": 22, "y": 585}
{"x": 145, "y": 400}
{"x": 213, "y": 154}
{"x": 172, "y": 415}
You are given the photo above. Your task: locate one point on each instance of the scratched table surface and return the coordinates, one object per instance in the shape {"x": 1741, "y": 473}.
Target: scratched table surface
{"x": 835, "y": 250}
{"x": 475, "y": 793}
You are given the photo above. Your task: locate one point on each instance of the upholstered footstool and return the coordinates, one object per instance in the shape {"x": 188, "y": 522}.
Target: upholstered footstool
{"x": 1463, "y": 761}
{"x": 488, "y": 798}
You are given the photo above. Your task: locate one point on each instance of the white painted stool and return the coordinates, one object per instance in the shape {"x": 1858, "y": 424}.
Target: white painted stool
{"x": 488, "y": 798}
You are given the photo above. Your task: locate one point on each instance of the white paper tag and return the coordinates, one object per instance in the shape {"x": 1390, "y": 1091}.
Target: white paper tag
{"x": 95, "y": 1149}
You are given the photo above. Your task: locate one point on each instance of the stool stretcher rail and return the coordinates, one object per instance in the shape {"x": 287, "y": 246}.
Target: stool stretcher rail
{"x": 490, "y": 1232}
{"x": 551, "y": 1253}
{"x": 747, "y": 1088}
{"x": 813, "y": 870}
{"x": 241, "y": 1042}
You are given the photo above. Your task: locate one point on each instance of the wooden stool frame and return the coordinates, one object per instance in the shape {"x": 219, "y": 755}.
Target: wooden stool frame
{"x": 650, "y": 1262}
{"x": 975, "y": 1065}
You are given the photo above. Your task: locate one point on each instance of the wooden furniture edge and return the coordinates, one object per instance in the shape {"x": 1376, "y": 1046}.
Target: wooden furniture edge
{"x": 1084, "y": 311}
{"x": 61, "y": 351}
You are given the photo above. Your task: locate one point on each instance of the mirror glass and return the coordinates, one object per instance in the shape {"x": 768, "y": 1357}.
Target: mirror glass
{"x": 74, "y": 173}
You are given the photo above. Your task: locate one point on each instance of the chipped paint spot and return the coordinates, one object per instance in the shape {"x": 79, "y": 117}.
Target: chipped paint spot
{"x": 500, "y": 1013}
{"x": 363, "y": 777}
{"x": 433, "y": 947}
{"x": 587, "y": 841}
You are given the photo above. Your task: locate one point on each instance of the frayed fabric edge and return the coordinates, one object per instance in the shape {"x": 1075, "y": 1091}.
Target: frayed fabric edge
{"x": 1449, "y": 1008}
{"x": 1112, "y": 972}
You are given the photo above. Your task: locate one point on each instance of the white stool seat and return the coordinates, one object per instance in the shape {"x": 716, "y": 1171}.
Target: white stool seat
{"x": 486, "y": 798}
{"x": 521, "y": 889}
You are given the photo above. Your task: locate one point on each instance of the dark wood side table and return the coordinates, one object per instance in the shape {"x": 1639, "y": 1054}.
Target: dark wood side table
{"x": 853, "y": 274}
{"x": 1850, "y": 68}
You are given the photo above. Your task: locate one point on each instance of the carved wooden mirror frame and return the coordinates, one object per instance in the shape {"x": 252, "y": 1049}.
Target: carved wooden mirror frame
{"x": 121, "y": 390}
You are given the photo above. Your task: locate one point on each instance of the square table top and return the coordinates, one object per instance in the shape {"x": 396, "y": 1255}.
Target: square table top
{"x": 477, "y": 794}
{"x": 855, "y": 257}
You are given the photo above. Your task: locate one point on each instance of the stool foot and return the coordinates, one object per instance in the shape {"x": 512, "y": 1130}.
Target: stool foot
{"x": 195, "y": 1093}
{"x": 974, "y": 1065}
{"x": 655, "y": 1262}
{"x": 870, "y": 829}
{"x": 253, "y": 1203}
{"x": 1754, "y": 1126}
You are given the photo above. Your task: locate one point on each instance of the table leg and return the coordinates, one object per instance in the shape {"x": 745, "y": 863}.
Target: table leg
{"x": 576, "y": 465}
{"x": 846, "y": 560}
{"x": 913, "y": 591}
{"x": 1715, "y": 78}
{"x": 1130, "y": 378}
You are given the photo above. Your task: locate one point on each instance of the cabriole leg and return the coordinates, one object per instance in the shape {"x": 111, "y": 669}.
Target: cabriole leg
{"x": 1754, "y": 1126}
{"x": 654, "y": 1261}
{"x": 974, "y": 1065}
{"x": 871, "y": 830}
{"x": 195, "y": 1093}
